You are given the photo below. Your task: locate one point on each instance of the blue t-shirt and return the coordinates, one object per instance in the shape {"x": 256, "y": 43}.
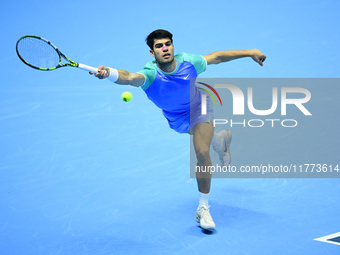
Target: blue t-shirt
{"x": 173, "y": 92}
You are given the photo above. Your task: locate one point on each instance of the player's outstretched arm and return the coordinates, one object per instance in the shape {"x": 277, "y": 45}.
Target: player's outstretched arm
{"x": 120, "y": 76}
{"x": 228, "y": 55}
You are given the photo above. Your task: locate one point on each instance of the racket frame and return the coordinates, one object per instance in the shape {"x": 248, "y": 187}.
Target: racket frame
{"x": 61, "y": 55}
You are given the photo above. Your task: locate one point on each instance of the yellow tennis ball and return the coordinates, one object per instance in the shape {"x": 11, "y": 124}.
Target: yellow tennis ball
{"x": 126, "y": 96}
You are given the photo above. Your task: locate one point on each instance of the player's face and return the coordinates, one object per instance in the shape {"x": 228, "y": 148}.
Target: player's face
{"x": 163, "y": 51}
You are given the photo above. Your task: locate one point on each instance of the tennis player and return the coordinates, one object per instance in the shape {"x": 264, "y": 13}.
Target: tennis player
{"x": 166, "y": 82}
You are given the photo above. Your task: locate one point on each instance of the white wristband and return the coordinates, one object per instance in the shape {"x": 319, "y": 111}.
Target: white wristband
{"x": 113, "y": 75}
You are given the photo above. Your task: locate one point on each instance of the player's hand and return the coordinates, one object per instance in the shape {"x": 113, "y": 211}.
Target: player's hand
{"x": 258, "y": 56}
{"x": 103, "y": 72}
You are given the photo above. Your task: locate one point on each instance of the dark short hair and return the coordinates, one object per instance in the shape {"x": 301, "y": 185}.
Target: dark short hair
{"x": 157, "y": 34}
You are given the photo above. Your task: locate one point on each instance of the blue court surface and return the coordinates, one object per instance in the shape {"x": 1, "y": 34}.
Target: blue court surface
{"x": 83, "y": 172}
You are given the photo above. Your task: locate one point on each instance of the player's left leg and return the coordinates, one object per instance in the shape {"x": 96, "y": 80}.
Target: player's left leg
{"x": 202, "y": 136}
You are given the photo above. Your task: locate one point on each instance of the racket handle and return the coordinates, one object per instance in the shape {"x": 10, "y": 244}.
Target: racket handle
{"x": 87, "y": 68}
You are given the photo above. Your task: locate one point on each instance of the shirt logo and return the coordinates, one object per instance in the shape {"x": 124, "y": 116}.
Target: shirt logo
{"x": 186, "y": 77}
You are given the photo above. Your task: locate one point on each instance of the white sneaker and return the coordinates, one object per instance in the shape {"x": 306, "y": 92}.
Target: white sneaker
{"x": 223, "y": 149}
{"x": 203, "y": 217}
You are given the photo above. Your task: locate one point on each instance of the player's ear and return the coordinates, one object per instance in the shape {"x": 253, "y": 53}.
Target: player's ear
{"x": 152, "y": 53}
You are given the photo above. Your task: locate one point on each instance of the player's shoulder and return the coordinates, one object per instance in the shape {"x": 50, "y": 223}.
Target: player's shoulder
{"x": 183, "y": 56}
{"x": 149, "y": 71}
{"x": 187, "y": 57}
{"x": 151, "y": 65}
{"x": 198, "y": 61}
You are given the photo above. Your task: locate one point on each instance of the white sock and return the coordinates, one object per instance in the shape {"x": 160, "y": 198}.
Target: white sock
{"x": 216, "y": 140}
{"x": 203, "y": 199}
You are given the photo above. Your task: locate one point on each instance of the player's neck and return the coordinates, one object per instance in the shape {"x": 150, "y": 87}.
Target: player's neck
{"x": 168, "y": 67}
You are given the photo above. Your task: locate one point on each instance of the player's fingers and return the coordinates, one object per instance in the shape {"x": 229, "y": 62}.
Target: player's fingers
{"x": 261, "y": 60}
{"x": 98, "y": 74}
{"x": 101, "y": 68}
{"x": 258, "y": 60}
{"x": 104, "y": 73}
{"x": 101, "y": 74}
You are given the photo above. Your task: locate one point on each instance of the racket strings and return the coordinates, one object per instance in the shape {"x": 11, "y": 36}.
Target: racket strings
{"x": 38, "y": 53}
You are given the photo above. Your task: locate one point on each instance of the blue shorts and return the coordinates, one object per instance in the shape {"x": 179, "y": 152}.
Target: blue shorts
{"x": 196, "y": 113}
{"x": 183, "y": 122}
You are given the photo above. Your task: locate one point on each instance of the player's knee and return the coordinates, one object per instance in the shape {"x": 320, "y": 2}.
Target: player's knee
{"x": 202, "y": 153}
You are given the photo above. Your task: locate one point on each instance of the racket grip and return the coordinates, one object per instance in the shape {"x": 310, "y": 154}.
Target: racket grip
{"x": 87, "y": 68}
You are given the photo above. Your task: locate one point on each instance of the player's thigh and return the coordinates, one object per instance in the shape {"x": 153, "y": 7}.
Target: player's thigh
{"x": 203, "y": 133}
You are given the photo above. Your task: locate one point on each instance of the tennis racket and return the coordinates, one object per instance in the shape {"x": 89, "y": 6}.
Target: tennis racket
{"x": 41, "y": 54}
